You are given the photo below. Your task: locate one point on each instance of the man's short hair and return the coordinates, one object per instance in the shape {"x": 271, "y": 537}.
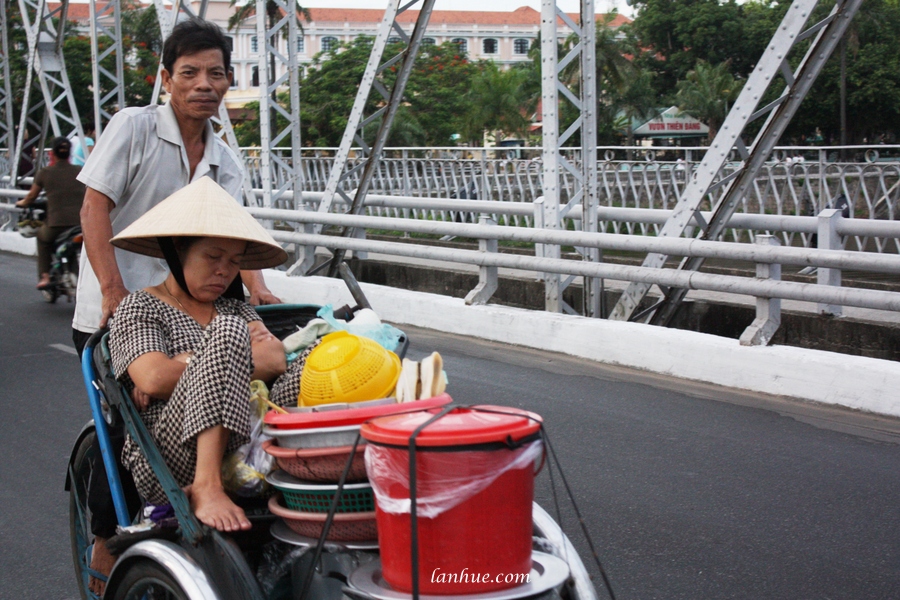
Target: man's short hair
{"x": 61, "y": 147}
{"x": 192, "y": 36}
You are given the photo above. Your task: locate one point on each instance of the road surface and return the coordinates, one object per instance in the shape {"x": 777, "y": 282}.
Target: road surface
{"x": 688, "y": 491}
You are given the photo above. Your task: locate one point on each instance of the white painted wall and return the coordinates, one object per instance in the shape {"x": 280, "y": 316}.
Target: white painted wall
{"x": 867, "y": 384}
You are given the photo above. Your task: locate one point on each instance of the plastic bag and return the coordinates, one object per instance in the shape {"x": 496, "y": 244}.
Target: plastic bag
{"x": 244, "y": 470}
{"x": 367, "y": 324}
{"x": 442, "y": 480}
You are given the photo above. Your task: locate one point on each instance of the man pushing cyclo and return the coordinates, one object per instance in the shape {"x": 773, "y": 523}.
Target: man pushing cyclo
{"x": 144, "y": 156}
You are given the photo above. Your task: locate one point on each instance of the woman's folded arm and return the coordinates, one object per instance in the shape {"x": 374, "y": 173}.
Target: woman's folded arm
{"x": 156, "y": 374}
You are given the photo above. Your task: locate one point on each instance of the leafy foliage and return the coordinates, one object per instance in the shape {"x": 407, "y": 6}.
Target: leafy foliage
{"x": 706, "y": 93}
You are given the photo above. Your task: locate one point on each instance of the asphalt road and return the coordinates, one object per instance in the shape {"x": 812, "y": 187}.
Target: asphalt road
{"x": 688, "y": 491}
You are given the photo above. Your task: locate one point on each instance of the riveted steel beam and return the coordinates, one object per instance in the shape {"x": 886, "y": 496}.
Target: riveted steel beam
{"x": 106, "y": 22}
{"x": 710, "y": 173}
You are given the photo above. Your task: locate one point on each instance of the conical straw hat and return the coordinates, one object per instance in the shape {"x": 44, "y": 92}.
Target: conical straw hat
{"x": 202, "y": 209}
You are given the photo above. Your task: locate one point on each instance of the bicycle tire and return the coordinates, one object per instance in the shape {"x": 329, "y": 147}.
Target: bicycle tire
{"x": 80, "y": 534}
{"x": 146, "y": 579}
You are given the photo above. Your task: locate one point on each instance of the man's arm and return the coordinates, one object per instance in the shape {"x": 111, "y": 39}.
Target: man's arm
{"x": 259, "y": 293}
{"x": 97, "y": 228}
{"x": 30, "y": 196}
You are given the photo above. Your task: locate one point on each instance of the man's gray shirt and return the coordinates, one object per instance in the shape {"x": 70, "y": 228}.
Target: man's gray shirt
{"x": 138, "y": 162}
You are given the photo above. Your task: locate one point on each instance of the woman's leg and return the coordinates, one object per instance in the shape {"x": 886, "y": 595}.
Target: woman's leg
{"x": 45, "y": 238}
{"x": 207, "y": 494}
{"x": 207, "y": 416}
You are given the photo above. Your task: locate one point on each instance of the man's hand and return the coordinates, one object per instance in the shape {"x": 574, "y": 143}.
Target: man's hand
{"x": 111, "y": 300}
{"x": 259, "y": 297}
{"x": 256, "y": 285}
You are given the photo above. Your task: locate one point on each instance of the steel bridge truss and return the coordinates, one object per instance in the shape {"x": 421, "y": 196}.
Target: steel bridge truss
{"x": 106, "y": 22}
{"x": 572, "y": 79}
{"x": 582, "y": 93}
{"x": 707, "y": 179}
{"x": 287, "y": 28}
{"x": 7, "y": 132}
{"x": 45, "y": 60}
{"x": 354, "y": 132}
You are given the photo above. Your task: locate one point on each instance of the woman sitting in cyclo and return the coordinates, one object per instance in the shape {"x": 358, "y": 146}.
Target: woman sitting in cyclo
{"x": 188, "y": 348}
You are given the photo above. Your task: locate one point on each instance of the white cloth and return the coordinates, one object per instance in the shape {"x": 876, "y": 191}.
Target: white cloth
{"x": 138, "y": 162}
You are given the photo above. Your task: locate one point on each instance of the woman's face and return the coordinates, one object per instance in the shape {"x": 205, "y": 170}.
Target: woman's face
{"x": 210, "y": 266}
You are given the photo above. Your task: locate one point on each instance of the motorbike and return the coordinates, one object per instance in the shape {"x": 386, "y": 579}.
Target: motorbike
{"x": 66, "y": 254}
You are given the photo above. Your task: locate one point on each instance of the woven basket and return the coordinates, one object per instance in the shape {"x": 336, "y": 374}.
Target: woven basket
{"x": 308, "y": 496}
{"x": 346, "y": 527}
{"x": 323, "y": 465}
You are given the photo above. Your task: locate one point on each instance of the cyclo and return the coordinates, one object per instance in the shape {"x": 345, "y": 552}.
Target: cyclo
{"x": 193, "y": 561}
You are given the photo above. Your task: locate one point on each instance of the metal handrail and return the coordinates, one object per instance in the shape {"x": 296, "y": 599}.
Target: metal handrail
{"x": 805, "y": 257}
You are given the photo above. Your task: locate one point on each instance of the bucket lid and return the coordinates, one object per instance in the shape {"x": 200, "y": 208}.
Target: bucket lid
{"x": 348, "y": 416}
{"x": 463, "y": 426}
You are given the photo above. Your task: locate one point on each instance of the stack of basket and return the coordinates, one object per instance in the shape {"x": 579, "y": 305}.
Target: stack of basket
{"x": 346, "y": 381}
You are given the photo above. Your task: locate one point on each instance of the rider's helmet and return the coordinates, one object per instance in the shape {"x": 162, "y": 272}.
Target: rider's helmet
{"x": 29, "y": 227}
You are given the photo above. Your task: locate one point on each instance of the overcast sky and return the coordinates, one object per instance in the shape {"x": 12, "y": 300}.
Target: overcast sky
{"x": 600, "y": 6}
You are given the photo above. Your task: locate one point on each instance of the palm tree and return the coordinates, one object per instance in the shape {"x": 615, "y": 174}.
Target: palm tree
{"x": 637, "y": 102}
{"x": 706, "y": 92}
{"x": 497, "y": 102}
{"x": 613, "y": 69}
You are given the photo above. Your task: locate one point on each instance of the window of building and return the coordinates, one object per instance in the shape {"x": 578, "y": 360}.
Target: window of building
{"x": 394, "y": 40}
{"x": 520, "y": 46}
{"x": 254, "y": 44}
{"x": 461, "y": 43}
{"x": 229, "y": 41}
{"x": 428, "y": 42}
{"x": 489, "y": 46}
{"x": 329, "y": 43}
{"x": 254, "y": 77}
{"x": 301, "y": 44}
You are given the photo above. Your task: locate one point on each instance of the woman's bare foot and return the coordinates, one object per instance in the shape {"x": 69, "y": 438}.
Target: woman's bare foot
{"x": 214, "y": 508}
{"x": 102, "y": 562}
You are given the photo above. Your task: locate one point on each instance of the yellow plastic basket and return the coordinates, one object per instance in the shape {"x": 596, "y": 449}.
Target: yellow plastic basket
{"x": 348, "y": 368}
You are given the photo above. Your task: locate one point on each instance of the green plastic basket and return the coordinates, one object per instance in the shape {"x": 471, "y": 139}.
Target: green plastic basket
{"x": 307, "y": 496}
{"x": 356, "y": 500}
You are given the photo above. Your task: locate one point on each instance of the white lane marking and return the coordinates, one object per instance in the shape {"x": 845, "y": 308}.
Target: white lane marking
{"x": 64, "y": 348}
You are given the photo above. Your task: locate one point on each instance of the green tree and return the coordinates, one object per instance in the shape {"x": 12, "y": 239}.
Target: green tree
{"x": 434, "y": 101}
{"x": 328, "y": 92}
{"x": 637, "y": 102}
{"x": 436, "y": 93}
{"x": 678, "y": 33}
{"x": 496, "y": 102}
{"x": 707, "y": 93}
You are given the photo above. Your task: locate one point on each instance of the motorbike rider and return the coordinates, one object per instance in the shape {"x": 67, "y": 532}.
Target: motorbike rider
{"x": 65, "y": 195}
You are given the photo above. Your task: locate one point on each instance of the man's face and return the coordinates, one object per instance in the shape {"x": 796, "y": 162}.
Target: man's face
{"x": 197, "y": 84}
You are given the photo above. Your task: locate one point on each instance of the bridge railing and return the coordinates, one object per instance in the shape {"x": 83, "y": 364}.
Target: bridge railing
{"x": 767, "y": 253}
{"x": 798, "y": 181}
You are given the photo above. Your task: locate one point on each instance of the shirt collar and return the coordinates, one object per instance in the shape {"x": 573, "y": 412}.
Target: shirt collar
{"x": 168, "y": 130}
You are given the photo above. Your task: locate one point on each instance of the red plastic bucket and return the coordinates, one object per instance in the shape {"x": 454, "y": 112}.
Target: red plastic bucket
{"x": 474, "y": 487}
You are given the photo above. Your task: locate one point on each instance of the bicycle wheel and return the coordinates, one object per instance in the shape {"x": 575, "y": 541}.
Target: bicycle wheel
{"x": 82, "y": 539}
{"x": 146, "y": 580}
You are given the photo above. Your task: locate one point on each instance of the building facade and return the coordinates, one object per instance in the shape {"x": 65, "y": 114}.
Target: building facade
{"x": 503, "y": 37}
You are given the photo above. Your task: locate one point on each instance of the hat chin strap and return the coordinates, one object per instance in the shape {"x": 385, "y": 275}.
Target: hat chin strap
{"x": 167, "y": 245}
